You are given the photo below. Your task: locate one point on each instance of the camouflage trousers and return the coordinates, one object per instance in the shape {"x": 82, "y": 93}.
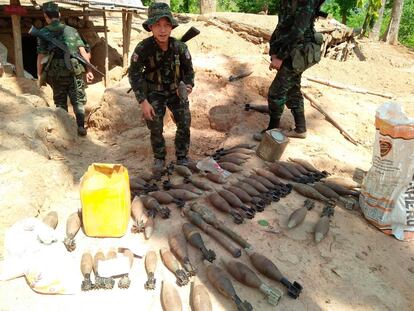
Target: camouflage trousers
{"x": 182, "y": 116}
{"x": 285, "y": 90}
{"x": 72, "y": 86}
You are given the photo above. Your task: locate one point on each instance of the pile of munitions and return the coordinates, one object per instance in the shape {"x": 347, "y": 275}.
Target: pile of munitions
{"x": 240, "y": 197}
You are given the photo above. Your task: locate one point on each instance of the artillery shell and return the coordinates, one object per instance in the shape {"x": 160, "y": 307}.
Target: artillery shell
{"x": 248, "y": 188}
{"x": 297, "y": 217}
{"x": 291, "y": 168}
{"x": 246, "y": 151}
{"x": 86, "y": 269}
{"x": 240, "y": 193}
{"x": 51, "y": 219}
{"x": 200, "y": 299}
{"x": 266, "y": 182}
{"x": 201, "y": 184}
{"x": 183, "y": 170}
{"x": 194, "y": 238}
{"x": 244, "y": 146}
{"x": 340, "y": 189}
{"x": 231, "y": 167}
{"x": 172, "y": 264}
{"x": 170, "y": 299}
{"x": 73, "y": 225}
{"x": 325, "y": 190}
{"x": 150, "y": 266}
{"x": 321, "y": 228}
{"x": 178, "y": 246}
{"x": 137, "y": 180}
{"x": 147, "y": 176}
{"x": 231, "y": 159}
{"x": 281, "y": 171}
{"x": 254, "y": 183}
{"x": 125, "y": 281}
{"x": 137, "y": 212}
{"x": 193, "y": 166}
{"x": 258, "y": 108}
{"x": 230, "y": 197}
{"x": 299, "y": 167}
{"x": 221, "y": 204}
{"x": 307, "y": 165}
{"x": 187, "y": 187}
{"x": 269, "y": 175}
{"x": 149, "y": 227}
{"x": 344, "y": 182}
{"x": 162, "y": 197}
{"x": 182, "y": 194}
{"x": 101, "y": 282}
{"x": 309, "y": 192}
{"x": 238, "y": 155}
{"x": 219, "y": 179}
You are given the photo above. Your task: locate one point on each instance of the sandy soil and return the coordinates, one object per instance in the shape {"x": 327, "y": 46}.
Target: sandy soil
{"x": 355, "y": 268}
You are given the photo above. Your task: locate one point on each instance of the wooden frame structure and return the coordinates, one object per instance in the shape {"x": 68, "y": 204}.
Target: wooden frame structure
{"x": 89, "y": 8}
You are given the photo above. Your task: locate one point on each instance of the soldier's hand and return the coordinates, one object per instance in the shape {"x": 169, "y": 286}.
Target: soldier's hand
{"x": 189, "y": 89}
{"x": 89, "y": 76}
{"x": 147, "y": 110}
{"x": 275, "y": 63}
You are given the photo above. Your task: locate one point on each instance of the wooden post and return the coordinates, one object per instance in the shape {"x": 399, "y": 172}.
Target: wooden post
{"x": 126, "y": 32}
{"x": 106, "y": 78}
{"x": 17, "y": 40}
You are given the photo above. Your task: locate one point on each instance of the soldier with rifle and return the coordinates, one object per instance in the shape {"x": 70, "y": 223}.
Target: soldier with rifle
{"x": 58, "y": 44}
{"x": 159, "y": 65}
{"x": 294, "y": 47}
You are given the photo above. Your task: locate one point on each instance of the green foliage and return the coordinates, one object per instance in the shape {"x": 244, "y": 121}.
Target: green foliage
{"x": 406, "y": 34}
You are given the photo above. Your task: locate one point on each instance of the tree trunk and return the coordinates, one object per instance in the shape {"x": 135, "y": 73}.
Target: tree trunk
{"x": 344, "y": 19}
{"x": 391, "y": 36}
{"x": 375, "y": 33}
{"x": 207, "y": 6}
{"x": 165, "y": 1}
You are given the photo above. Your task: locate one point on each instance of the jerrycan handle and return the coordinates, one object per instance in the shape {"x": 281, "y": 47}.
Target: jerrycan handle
{"x": 107, "y": 168}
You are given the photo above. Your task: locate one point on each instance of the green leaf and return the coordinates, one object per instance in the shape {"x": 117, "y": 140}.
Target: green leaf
{"x": 263, "y": 222}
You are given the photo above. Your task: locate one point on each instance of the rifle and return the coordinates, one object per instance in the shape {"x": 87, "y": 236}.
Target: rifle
{"x": 67, "y": 53}
{"x": 189, "y": 34}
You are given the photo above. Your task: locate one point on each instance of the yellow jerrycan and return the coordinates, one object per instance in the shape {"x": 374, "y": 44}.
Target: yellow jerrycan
{"x": 106, "y": 200}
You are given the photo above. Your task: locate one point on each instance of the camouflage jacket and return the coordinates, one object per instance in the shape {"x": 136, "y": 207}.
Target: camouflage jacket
{"x": 153, "y": 69}
{"x": 295, "y": 26}
{"x": 63, "y": 33}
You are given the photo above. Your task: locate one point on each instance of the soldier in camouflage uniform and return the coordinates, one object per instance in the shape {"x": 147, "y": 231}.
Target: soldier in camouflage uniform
{"x": 293, "y": 34}
{"x": 63, "y": 80}
{"x": 158, "y": 64}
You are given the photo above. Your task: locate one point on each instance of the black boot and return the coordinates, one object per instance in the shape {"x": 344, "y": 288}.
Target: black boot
{"x": 273, "y": 123}
{"x": 300, "y": 125}
{"x": 80, "y": 121}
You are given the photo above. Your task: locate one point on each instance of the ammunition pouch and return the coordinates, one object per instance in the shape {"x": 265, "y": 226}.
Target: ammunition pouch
{"x": 77, "y": 67}
{"x": 58, "y": 69}
{"x": 161, "y": 87}
{"x": 307, "y": 54}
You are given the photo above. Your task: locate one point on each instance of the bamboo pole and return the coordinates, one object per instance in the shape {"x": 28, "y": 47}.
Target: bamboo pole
{"x": 346, "y": 87}
{"x": 106, "y": 78}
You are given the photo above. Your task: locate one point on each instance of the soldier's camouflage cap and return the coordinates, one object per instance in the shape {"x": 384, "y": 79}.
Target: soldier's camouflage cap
{"x": 156, "y": 11}
{"x": 50, "y": 7}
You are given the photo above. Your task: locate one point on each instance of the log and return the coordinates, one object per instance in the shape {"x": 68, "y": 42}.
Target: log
{"x": 347, "y": 87}
{"x": 315, "y": 104}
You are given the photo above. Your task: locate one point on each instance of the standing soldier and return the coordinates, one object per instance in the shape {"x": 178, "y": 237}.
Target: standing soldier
{"x": 65, "y": 79}
{"x": 294, "y": 47}
{"x": 158, "y": 64}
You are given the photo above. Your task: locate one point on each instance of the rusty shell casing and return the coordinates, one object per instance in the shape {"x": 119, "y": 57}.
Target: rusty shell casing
{"x": 51, "y": 219}
{"x": 86, "y": 269}
{"x": 183, "y": 170}
{"x": 325, "y": 190}
{"x": 240, "y": 193}
{"x": 200, "y": 299}
{"x": 172, "y": 264}
{"x": 341, "y": 190}
{"x": 266, "y": 182}
{"x": 231, "y": 167}
{"x": 248, "y": 188}
{"x": 258, "y": 108}
{"x": 170, "y": 299}
{"x": 230, "y": 197}
{"x": 224, "y": 241}
{"x": 162, "y": 197}
{"x": 137, "y": 180}
{"x": 254, "y": 183}
{"x": 265, "y": 266}
{"x": 344, "y": 182}
{"x": 137, "y": 212}
{"x": 150, "y": 266}
{"x": 307, "y": 165}
{"x": 321, "y": 228}
{"x": 309, "y": 192}
{"x": 281, "y": 171}
{"x": 291, "y": 168}
{"x": 188, "y": 187}
{"x": 242, "y": 150}
{"x": 73, "y": 225}
{"x": 299, "y": 167}
{"x": 243, "y": 146}
{"x": 218, "y": 179}
{"x": 193, "y": 166}
{"x": 150, "y": 203}
{"x": 231, "y": 159}
{"x": 178, "y": 246}
{"x": 237, "y": 155}
{"x": 219, "y": 202}
{"x": 183, "y": 194}
{"x": 149, "y": 227}
{"x": 269, "y": 175}
{"x": 194, "y": 238}
{"x": 201, "y": 185}
{"x": 297, "y": 217}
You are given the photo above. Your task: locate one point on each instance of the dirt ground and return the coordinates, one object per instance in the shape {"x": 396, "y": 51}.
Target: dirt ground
{"x": 356, "y": 267}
